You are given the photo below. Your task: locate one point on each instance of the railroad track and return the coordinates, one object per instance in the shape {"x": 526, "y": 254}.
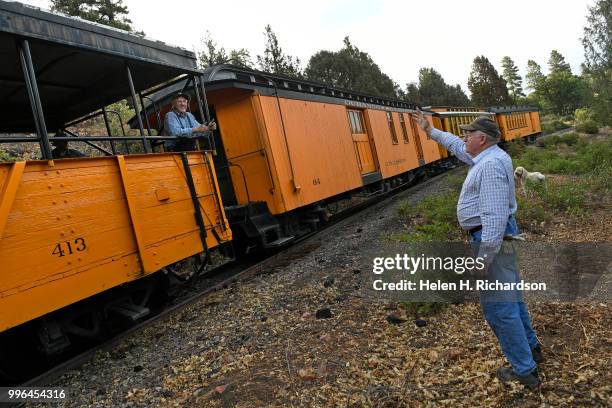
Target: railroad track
{"x": 228, "y": 274}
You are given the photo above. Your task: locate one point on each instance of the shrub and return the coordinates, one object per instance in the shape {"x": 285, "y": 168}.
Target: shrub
{"x": 563, "y": 196}
{"x": 595, "y": 156}
{"x": 582, "y": 115}
{"x": 5, "y": 156}
{"x": 569, "y": 139}
{"x": 588, "y": 126}
{"x": 530, "y": 211}
{"x": 516, "y": 148}
{"x": 433, "y": 219}
{"x": 548, "y": 141}
{"x": 552, "y": 123}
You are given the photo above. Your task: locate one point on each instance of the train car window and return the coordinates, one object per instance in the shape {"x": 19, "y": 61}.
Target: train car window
{"x": 392, "y": 128}
{"x": 353, "y": 121}
{"x": 403, "y": 126}
{"x": 356, "y": 121}
{"x": 359, "y": 117}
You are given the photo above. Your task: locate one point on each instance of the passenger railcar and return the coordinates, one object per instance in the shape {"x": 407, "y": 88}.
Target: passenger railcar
{"x": 515, "y": 122}
{"x": 291, "y": 147}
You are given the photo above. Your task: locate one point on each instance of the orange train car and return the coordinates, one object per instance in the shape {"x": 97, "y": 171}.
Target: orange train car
{"x": 74, "y": 231}
{"x": 449, "y": 119}
{"x": 73, "y": 228}
{"x": 515, "y": 122}
{"x": 288, "y": 148}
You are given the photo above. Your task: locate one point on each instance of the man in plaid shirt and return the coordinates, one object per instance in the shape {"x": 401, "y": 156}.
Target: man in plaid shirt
{"x": 486, "y": 208}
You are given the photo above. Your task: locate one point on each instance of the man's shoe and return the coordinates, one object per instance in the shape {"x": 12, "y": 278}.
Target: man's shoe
{"x": 537, "y": 354}
{"x": 531, "y": 380}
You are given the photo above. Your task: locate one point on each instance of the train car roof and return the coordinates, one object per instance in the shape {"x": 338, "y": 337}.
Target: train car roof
{"x": 79, "y": 65}
{"x": 230, "y": 76}
{"x": 223, "y": 76}
{"x": 517, "y": 108}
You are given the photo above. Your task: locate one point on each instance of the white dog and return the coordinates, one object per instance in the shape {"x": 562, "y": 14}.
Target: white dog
{"x": 521, "y": 174}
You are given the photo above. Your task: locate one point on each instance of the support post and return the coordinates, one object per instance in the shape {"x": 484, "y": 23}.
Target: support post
{"x": 108, "y": 130}
{"x": 144, "y": 110}
{"x": 136, "y": 108}
{"x": 207, "y": 113}
{"x": 29, "y": 76}
{"x": 201, "y": 111}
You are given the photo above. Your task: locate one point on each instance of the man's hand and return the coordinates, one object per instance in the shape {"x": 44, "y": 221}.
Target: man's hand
{"x": 205, "y": 128}
{"x": 422, "y": 122}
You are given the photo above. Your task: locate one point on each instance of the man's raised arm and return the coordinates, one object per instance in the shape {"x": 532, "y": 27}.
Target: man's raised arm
{"x": 452, "y": 143}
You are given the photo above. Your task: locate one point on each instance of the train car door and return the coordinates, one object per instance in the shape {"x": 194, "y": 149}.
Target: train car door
{"x": 361, "y": 142}
{"x": 417, "y": 139}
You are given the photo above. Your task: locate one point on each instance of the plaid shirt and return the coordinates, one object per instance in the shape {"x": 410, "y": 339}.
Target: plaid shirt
{"x": 487, "y": 197}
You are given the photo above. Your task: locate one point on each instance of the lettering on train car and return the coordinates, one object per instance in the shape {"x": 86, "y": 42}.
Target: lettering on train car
{"x": 316, "y": 181}
{"x": 78, "y": 245}
{"x": 394, "y": 162}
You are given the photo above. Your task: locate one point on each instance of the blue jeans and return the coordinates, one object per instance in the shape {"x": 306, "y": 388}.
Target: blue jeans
{"x": 505, "y": 311}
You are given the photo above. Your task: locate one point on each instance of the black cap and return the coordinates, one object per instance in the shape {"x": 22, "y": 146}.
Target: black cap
{"x": 484, "y": 124}
{"x": 181, "y": 95}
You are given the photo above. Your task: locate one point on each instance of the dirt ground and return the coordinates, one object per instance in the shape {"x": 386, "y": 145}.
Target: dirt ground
{"x": 301, "y": 335}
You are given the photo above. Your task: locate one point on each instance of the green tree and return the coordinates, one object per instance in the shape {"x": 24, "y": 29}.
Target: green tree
{"x": 512, "y": 78}
{"x": 485, "y": 84}
{"x": 534, "y": 75}
{"x": 562, "y": 92}
{"x": 108, "y": 12}
{"x": 274, "y": 60}
{"x": 457, "y": 97}
{"x": 432, "y": 87}
{"x": 213, "y": 55}
{"x": 433, "y": 90}
{"x": 351, "y": 68}
{"x": 597, "y": 43}
{"x": 557, "y": 63}
{"x": 412, "y": 93}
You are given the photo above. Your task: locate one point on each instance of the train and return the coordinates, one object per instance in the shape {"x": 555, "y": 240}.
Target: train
{"x": 88, "y": 240}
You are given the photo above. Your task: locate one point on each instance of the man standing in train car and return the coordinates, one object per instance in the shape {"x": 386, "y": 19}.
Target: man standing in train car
{"x": 181, "y": 123}
{"x": 485, "y": 209}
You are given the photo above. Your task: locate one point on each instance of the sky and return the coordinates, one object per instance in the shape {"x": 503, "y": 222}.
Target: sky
{"x": 400, "y": 36}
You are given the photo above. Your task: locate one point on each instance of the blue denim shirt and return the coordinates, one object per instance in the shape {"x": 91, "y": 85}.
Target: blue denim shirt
{"x": 181, "y": 126}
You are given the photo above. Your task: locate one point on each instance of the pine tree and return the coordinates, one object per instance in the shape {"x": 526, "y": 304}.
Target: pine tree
{"x": 412, "y": 93}
{"x": 353, "y": 69}
{"x": 433, "y": 90}
{"x": 456, "y": 96}
{"x": 485, "y": 84}
{"x": 534, "y": 75}
{"x": 432, "y": 87}
{"x": 274, "y": 60}
{"x": 213, "y": 55}
{"x": 512, "y": 78}
{"x": 597, "y": 43}
{"x": 108, "y": 12}
{"x": 557, "y": 63}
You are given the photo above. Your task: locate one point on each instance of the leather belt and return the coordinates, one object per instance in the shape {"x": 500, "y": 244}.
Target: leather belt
{"x": 474, "y": 230}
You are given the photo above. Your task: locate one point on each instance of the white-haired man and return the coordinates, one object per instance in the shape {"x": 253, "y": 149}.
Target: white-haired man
{"x": 181, "y": 123}
{"x": 485, "y": 209}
